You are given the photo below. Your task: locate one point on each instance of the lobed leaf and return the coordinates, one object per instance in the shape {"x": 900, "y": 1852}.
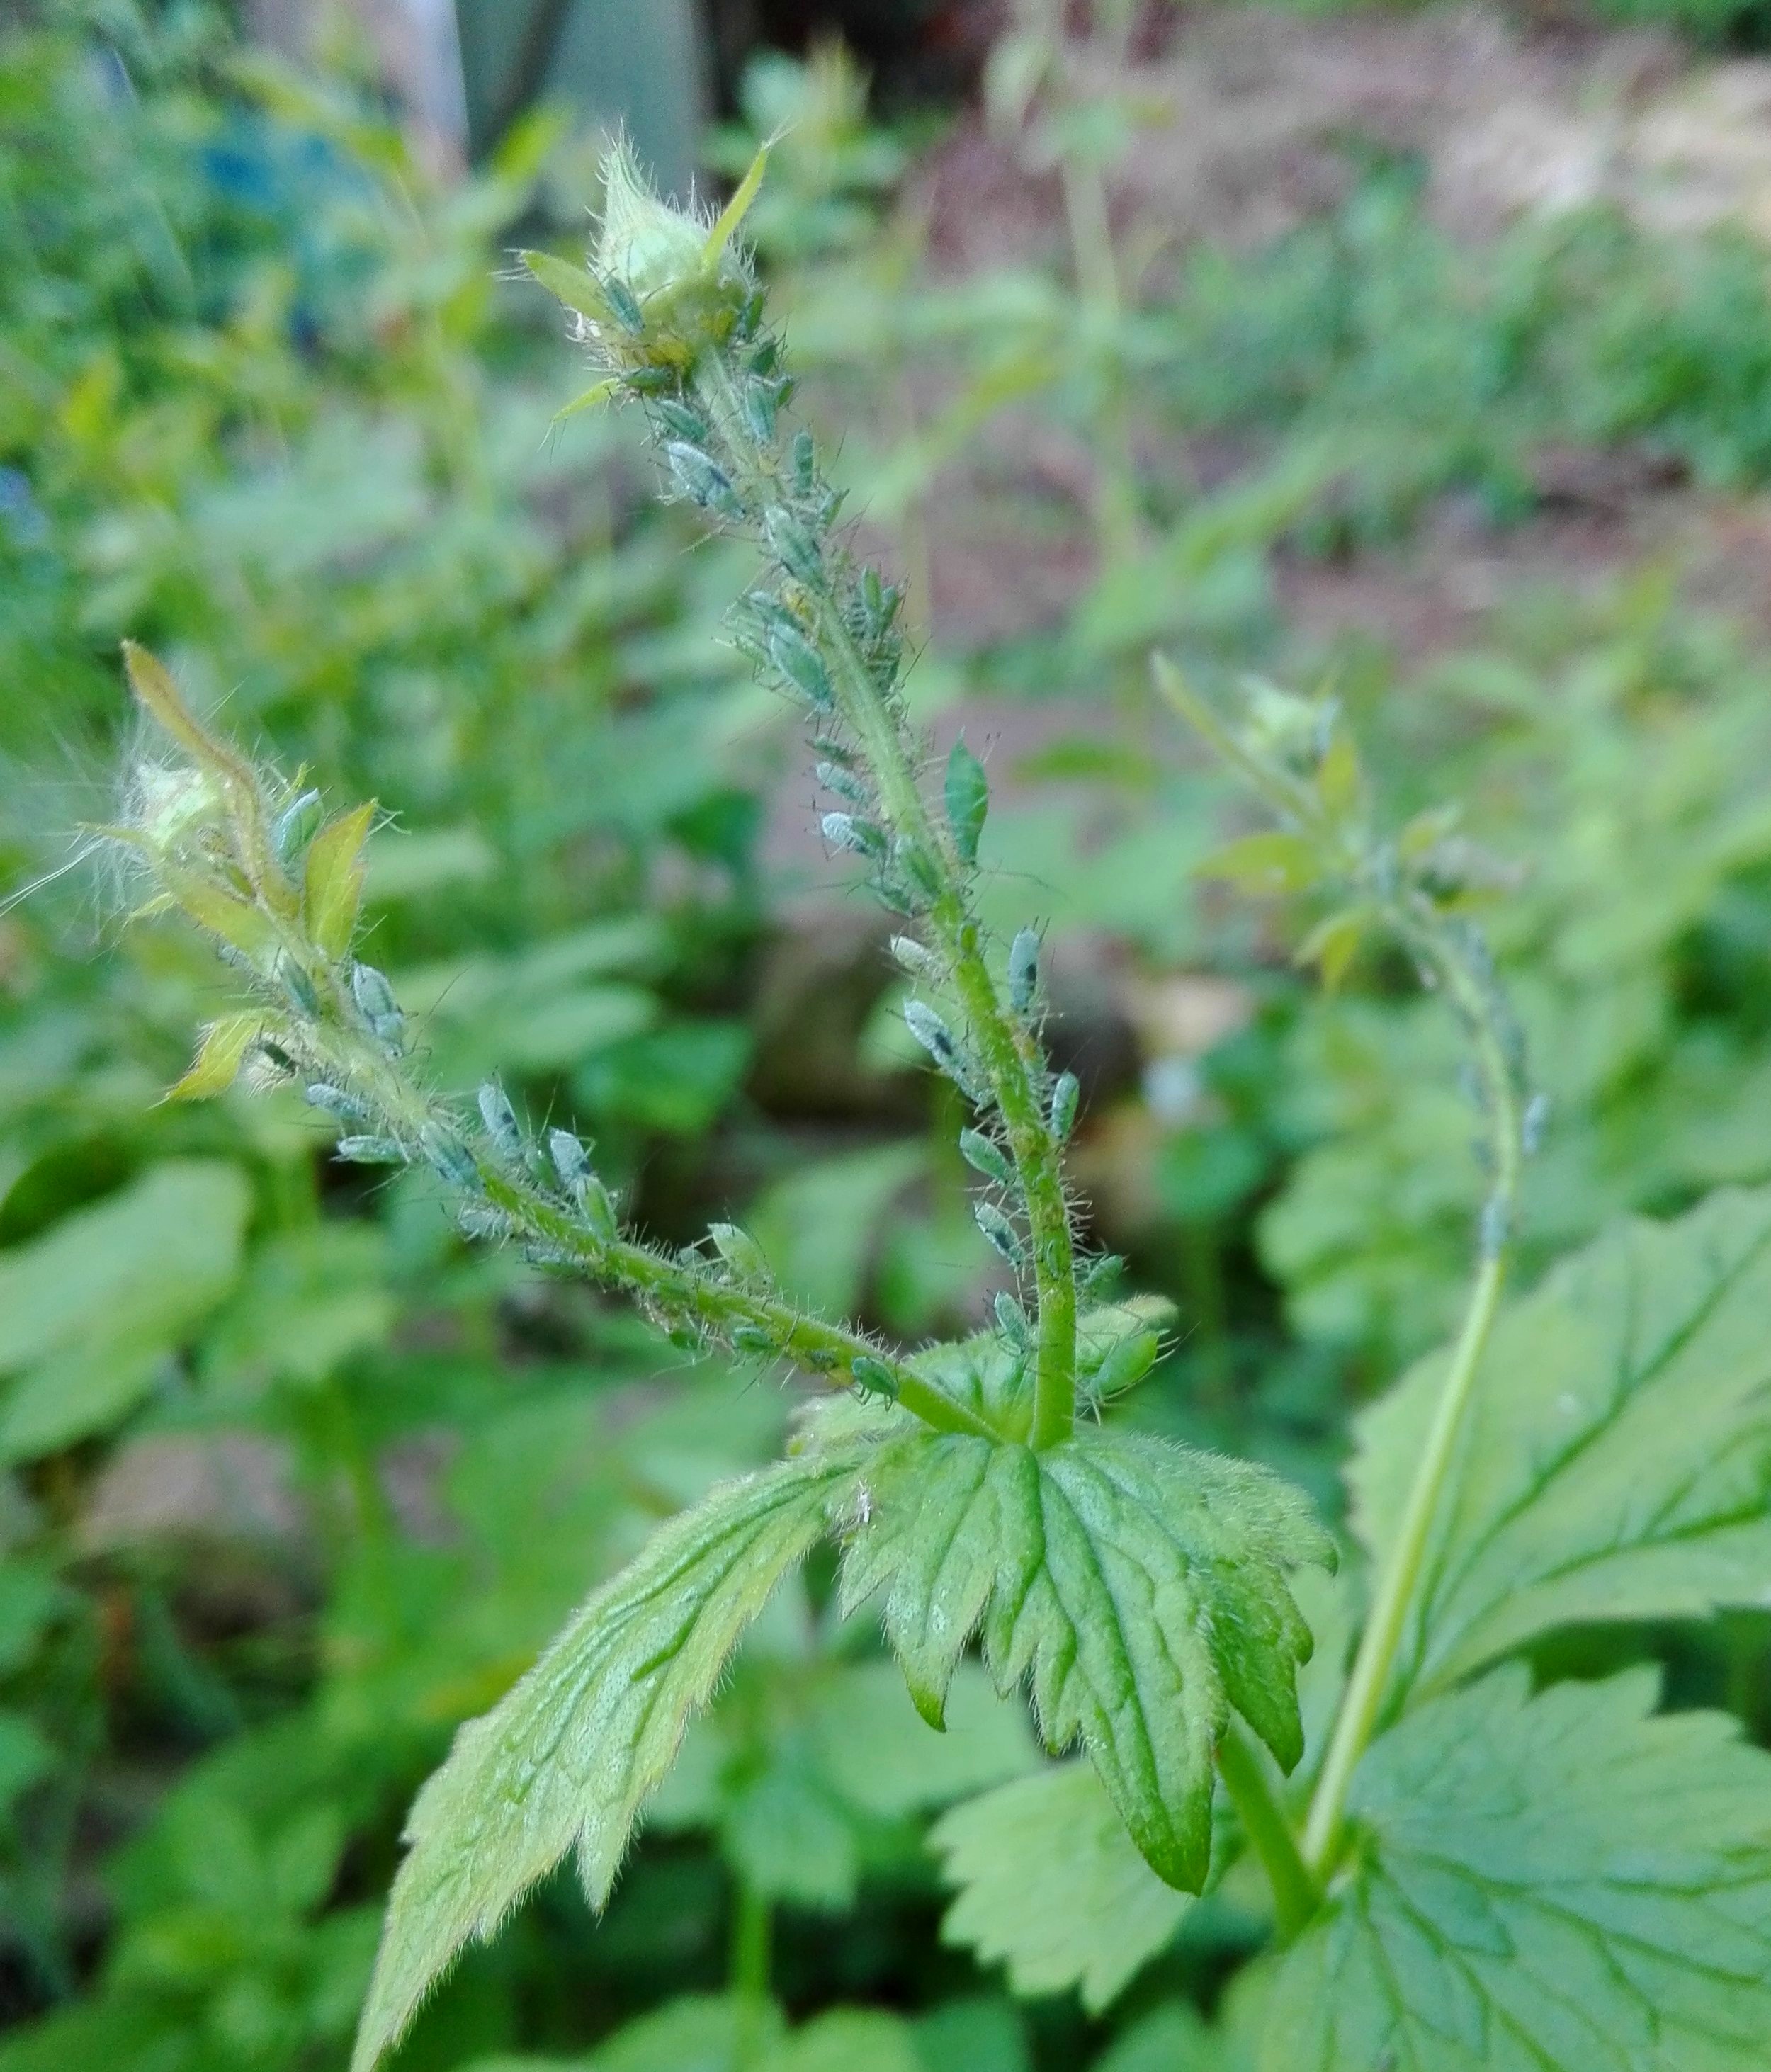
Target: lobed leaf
{"x": 1052, "y": 1886}
{"x": 1139, "y": 1586}
{"x": 1616, "y": 1461}
{"x": 570, "y": 1756}
{"x": 1558, "y": 1884}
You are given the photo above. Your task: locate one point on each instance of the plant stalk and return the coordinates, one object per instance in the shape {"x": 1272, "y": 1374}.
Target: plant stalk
{"x": 1006, "y": 1047}
{"x": 1397, "y": 1577}
{"x": 1297, "y": 1894}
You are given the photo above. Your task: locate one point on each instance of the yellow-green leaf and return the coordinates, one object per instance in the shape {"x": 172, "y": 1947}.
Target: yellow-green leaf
{"x": 1337, "y": 781}
{"x": 217, "y": 1062}
{"x": 1332, "y": 943}
{"x": 158, "y": 696}
{"x": 567, "y": 284}
{"x": 592, "y": 398}
{"x": 1270, "y": 862}
{"x": 239, "y": 924}
{"x": 333, "y": 886}
{"x": 735, "y": 211}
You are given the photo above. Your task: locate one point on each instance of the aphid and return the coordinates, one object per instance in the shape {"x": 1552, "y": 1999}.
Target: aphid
{"x": 846, "y": 830}
{"x": 1024, "y": 969}
{"x": 1000, "y": 1232}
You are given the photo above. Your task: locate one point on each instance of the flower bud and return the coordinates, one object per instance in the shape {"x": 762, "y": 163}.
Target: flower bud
{"x": 170, "y": 809}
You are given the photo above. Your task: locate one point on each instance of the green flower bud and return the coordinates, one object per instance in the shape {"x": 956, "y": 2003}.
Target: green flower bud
{"x": 170, "y": 809}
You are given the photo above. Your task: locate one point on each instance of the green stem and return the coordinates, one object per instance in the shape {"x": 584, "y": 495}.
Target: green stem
{"x": 1296, "y": 1894}
{"x": 668, "y": 1285}
{"x": 826, "y": 1350}
{"x": 752, "y": 1939}
{"x": 1399, "y": 1574}
{"x": 1006, "y": 1047}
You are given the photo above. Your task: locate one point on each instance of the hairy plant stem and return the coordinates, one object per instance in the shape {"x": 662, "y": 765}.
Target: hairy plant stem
{"x": 1006, "y": 1048}
{"x": 1297, "y": 1894}
{"x": 1381, "y": 1641}
{"x": 680, "y": 1294}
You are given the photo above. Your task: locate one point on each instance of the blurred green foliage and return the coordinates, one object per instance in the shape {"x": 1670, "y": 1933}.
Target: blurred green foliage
{"x": 289, "y": 1483}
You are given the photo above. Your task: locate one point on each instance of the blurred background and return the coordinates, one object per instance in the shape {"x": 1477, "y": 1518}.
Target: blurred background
{"x": 1422, "y": 354}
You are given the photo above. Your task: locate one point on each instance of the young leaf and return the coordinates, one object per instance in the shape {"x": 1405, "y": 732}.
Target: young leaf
{"x": 567, "y": 284}
{"x": 332, "y": 890}
{"x": 1563, "y": 1881}
{"x": 570, "y": 1756}
{"x": 1618, "y": 1457}
{"x": 1051, "y": 1885}
{"x": 968, "y": 792}
{"x": 239, "y": 924}
{"x": 1140, "y": 1586}
{"x": 217, "y": 1062}
{"x": 1270, "y": 862}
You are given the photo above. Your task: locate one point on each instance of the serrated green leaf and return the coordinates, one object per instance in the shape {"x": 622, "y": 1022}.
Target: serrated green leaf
{"x": 967, "y": 795}
{"x": 332, "y": 883}
{"x": 1557, "y": 1884}
{"x": 571, "y": 1754}
{"x": 1138, "y": 1585}
{"x": 1052, "y": 1886}
{"x": 1616, "y": 1462}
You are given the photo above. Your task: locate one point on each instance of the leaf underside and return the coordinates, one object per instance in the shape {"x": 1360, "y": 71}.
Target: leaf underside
{"x": 1050, "y": 1885}
{"x": 1616, "y": 1461}
{"x": 569, "y": 1756}
{"x": 1565, "y": 1883}
{"x": 1139, "y": 1586}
